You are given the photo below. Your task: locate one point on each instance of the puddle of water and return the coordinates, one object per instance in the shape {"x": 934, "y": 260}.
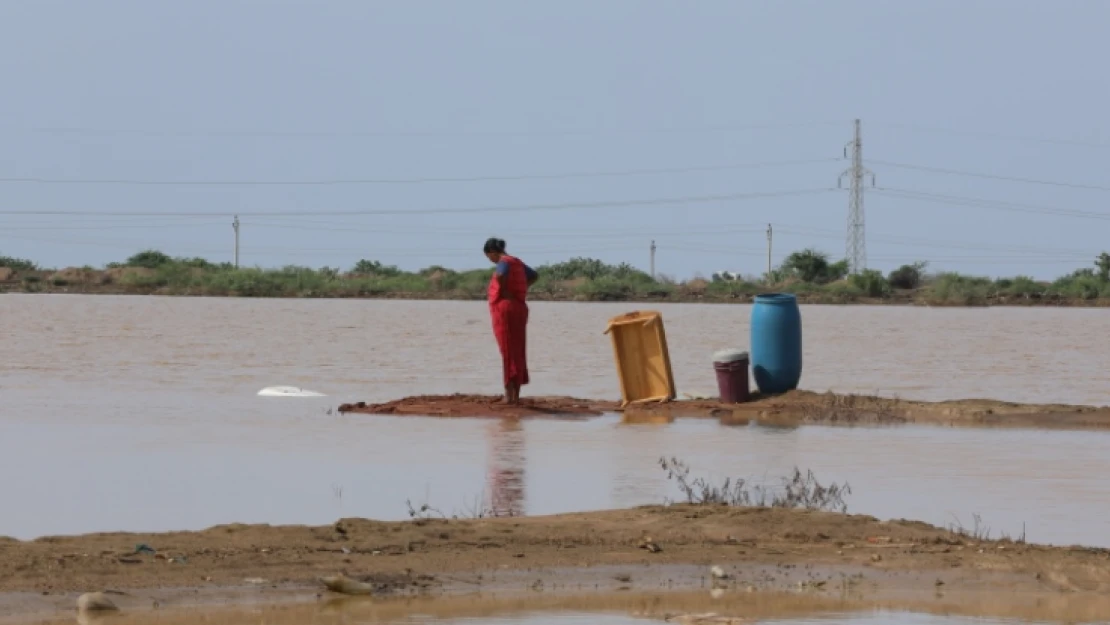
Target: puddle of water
{"x": 198, "y": 466}
{"x": 877, "y": 617}
{"x": 635, "y": 608}
{"x": 571, "y": 618}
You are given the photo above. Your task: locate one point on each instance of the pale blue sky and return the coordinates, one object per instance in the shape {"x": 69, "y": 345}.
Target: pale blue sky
{"x": 208, "y": 90}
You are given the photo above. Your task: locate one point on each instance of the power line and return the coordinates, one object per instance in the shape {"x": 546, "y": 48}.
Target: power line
{"x": 334, "y": 227}
{"x": 996, "y": 136}
{"x": 622, "y": 235}
{"x": 619, "y": 240}
{"x": 420, "y": 180}
{"x": 373, "y": 252}
{"x": 993, "y": 259}
{"x": 693, "y": 199}
{"x": 181, "y": 224}
{"x": 957, "y": 200}
{"x": 969, "y": 174}
{"x": 300, "y": 134}
{"x": 930, "y": 243}
{"x": 365, "y": 251}
{"x": 339, "y": 226}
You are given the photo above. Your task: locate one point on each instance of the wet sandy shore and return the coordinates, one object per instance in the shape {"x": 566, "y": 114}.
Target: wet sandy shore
{"x": 643, "y": 549}
{"x": 794, "y": 408}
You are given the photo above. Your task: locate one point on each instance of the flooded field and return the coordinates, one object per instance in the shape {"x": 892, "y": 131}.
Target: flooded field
{"x": 131, "y": 413}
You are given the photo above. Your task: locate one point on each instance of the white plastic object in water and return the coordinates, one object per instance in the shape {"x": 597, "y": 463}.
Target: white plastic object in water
{"x": 287, "y": 391}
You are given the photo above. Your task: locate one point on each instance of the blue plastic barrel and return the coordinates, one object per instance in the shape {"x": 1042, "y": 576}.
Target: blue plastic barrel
{"x": 776, "y": 343}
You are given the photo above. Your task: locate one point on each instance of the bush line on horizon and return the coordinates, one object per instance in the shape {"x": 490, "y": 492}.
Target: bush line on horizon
{"x": 808, "y": 273}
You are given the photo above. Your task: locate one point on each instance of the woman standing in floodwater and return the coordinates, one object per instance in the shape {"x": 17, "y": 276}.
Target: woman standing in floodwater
{"x": 508, "y": 309}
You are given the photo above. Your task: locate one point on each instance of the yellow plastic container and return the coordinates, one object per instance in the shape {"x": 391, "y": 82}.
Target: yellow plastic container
{"x": 643, "y": 362}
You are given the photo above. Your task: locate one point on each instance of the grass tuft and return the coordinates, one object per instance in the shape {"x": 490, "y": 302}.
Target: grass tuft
{"x": 798, "y": 490}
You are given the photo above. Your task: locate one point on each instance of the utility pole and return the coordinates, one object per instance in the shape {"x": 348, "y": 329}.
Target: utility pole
{"x": 653, "y": 260}
{"x": 768, "y": 251}
{"x": 235, "y": 226}
{"x": 856, "y": 244}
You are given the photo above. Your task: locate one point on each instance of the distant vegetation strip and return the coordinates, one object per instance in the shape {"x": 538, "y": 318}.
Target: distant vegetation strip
{"x": 808, "y": 273}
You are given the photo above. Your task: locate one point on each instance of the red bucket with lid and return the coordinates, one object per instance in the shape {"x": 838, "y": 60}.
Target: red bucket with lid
{"x": 731, "y": 366}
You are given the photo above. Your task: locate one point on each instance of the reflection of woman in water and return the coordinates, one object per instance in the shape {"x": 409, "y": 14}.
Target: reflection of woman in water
{"x": 506, "y": 468}
{"x": 508, "y": 309}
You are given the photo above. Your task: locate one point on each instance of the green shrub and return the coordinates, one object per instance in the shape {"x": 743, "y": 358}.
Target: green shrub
{"x": 802, "y": 288}
{"x": 589, "y": 268}
{"x": 807, "y": 273}
{"x": 732, "y": 289}
{"x": 812, "y": 266}
{"x": 657, "y": 290}
{"x": 870, "y": 282}
{"x": 248, "y": 283}
{"x": 18, "y": 264}
{"x": 845, "y": 291}
{"x": 434, "y": 269}
{"x": 953, "y": 288}
{"x": 148, "y": 259}
{"x": 1083, "y": 284}
{"x": 374, "y": 268}
{"x": 907, "y": 276}
{"x": 606, "y": 289}
{"x": 1020, "y": 286}
{"x": 406, "y": 283}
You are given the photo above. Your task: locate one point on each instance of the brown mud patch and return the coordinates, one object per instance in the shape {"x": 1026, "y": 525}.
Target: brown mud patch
{"x": 765, "y": 549}
{"x": 483, "y": 406}
{"x": 790, "y": 409}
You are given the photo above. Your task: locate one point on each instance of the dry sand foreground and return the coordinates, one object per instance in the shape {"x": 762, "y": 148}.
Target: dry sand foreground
{"x": 793, "y": 408}
{"x": 649, "y": 548}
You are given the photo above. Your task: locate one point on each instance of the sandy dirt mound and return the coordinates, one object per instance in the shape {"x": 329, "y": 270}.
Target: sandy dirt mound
{"x": 483, "y": 406}
{"x": 790, "y": 409}
{"x": 804, "y": 407}
{"x": 648, "y": 544}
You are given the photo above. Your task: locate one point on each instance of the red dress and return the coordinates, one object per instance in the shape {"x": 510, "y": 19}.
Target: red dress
{"x": 510, "y": 320}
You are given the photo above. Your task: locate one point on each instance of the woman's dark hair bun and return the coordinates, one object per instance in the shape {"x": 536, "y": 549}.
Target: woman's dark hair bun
{"x": 494, "y": 245}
